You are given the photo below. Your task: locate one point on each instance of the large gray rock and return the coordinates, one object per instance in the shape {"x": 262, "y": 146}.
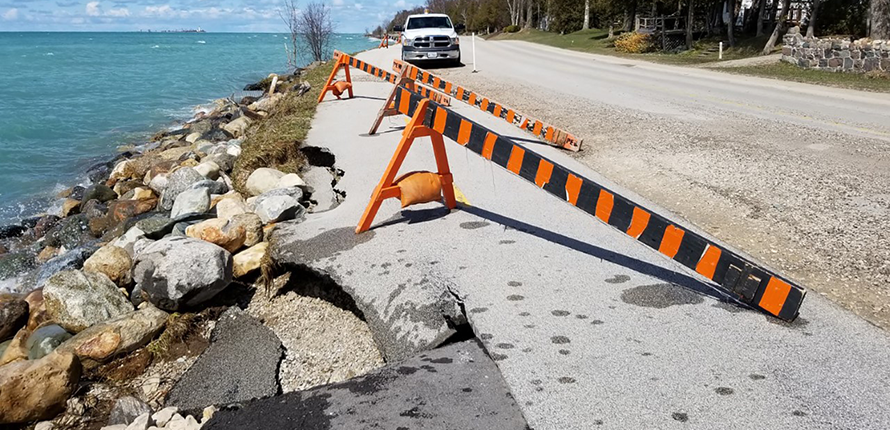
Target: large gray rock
{"x": 126, "y": 409}
{"x": 117, "y": 336}
{"x": 13, "y": 315}
{"x": 70, "y": 232}
{"x": 280, "y": 204}
{"x": 73, "y": 259}
{"x": 213, "y": 187}
{"x": 241, "y": 364}
{"x": 14, "y": 264}
{"x": 262, "y": 180}
{"x": 177, "y": 272}
{"x": 453, "y": 387}
{"x": 45, "y": 339}
{"x": 77, "y": 300}
{"x": 177, "y": 182}
{"x": 98, "y": 192}
{"x": 192, "y": 201}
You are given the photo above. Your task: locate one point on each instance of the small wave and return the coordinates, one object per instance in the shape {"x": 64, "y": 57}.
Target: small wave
{"x": 201, "y": 42}
{"x": 49, "y": 54}
{"x": 156, "y": 46}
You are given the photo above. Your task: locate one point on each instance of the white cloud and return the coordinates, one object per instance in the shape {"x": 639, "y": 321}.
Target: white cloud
{"x": 358, "y": 6}
{"x": 159, "y": 11}
{"x": 122, "y": 12}
{"x": 337, "y": 2}
{"x": 400, "y": 3}
{"x": 93, "y": 9}
{"x": 11, "y": 14}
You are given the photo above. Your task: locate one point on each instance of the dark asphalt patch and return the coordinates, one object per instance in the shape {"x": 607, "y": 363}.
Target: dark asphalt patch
{"x": 466, "y": 393}
{"x": 660, "y": 296}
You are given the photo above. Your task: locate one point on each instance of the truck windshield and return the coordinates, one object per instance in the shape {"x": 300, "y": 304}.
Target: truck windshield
{"x": 428, "y": 22}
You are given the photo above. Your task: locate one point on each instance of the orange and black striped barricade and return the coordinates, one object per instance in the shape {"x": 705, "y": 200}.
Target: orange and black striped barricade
{"x": 546, "y": 132}
{"x": 341, "y": 61}
{"x": 388, "y": 188}
{"x": 745, "y": 280}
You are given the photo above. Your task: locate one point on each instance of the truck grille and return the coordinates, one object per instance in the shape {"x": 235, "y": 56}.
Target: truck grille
{"x": 432, "y": 41}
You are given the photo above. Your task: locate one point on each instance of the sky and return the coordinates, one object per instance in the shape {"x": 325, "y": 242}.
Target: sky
{"x": 349, "y": 16}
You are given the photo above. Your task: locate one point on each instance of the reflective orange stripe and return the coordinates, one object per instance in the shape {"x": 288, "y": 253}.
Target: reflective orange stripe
{"x": 545, "y": 169}
{"x": 436, "y": 82}
{"x": 463, "y": 134}
{"x": 448, "y": 87}
{"x": 515, "y": 161}
{"x": 484, "y": 104}
{"x": 549, "y": 135}
{"x": 510, "y": 115}
{"x": 573, "y": 188}
{"x": 404, "y": 103}
{"x": 604, "y": 205}
{"x": 460, "y": 93}
{"x": 774, "y": 295}
{"x": 497, "y": 110}
{"x": 441, "y": 116}
{"x": 670, "y": 242}
{"x": 472, "y": 100}
{"x": 538, "y": 127}
{"x": 708, "y": 263}
{"x": 638, "y": 223}
{"x": 488, "y": 146}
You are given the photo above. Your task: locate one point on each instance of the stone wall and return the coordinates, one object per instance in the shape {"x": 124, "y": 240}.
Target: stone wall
{"x": 836, "y": 55}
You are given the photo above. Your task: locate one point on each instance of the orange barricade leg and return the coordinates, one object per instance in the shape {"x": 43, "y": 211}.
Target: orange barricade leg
{"x": 386, "y": 189}
{"x": 388, "y": 109}
{"x": 342, "y": 62}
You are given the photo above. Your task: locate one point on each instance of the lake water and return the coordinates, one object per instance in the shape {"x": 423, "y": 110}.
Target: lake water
{"x": 68, "y": 100}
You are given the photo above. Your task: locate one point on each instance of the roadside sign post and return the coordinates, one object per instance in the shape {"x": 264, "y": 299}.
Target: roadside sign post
{"x": 474, "y": 53}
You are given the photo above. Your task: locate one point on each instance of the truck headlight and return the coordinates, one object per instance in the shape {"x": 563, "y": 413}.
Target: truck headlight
{"x": 455, "y": 40}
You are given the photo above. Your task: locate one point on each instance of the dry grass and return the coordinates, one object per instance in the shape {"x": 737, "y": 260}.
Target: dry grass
{"x": 274, "y": 142}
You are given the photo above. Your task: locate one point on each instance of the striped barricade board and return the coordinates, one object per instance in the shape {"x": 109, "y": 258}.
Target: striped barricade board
{"x": 539, "y": 129}
{"x": 745, "y": 280}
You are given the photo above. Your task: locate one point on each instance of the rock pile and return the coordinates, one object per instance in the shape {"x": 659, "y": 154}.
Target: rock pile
{"x": 159, "y": 232}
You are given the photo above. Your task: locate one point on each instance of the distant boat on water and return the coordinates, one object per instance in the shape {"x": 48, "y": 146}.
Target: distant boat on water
{"x": 187, "y": 30}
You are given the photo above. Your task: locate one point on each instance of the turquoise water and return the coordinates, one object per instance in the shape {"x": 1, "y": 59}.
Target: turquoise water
{"x": 68, "y": 100}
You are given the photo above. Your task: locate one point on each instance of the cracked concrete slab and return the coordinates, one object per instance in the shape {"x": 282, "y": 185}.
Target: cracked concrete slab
{"x": 453, "y": 387}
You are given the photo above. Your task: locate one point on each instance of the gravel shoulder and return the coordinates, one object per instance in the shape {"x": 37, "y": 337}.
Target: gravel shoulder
{"x": 811, "y": 202}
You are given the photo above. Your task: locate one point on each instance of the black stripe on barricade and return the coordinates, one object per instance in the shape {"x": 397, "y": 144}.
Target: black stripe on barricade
{"x": 733, "y": 274}
{"x": 537, "y": 128}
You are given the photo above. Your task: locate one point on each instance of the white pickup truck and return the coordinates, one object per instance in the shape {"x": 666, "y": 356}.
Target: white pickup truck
{"x": 429, "y": 36}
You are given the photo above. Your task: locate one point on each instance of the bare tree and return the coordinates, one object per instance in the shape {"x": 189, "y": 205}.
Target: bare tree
{"x": 315, "y": 29}
{"x": 586, "y": 25}
{"x": 761, "y": 16}
{"x": 290, "y": 14}
{"x": 514, "y": 7}
{"x": 778, "y": 29}
{"x": 879, "y": 19}
{"x": 730, "y": 26}
{"x": 811, "y": 25}
{"x": 690, "y": 18}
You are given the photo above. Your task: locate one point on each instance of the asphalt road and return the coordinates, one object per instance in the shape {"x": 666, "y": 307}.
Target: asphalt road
{"x": 682, "y": 91}
{"x": 589, "y": 328}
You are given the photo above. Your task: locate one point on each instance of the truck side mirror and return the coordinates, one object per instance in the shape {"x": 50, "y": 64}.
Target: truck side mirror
{"x": 398, "y": 28}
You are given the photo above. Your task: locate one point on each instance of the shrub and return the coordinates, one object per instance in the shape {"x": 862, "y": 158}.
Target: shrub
{"x": 511, "y": 29}
{"x": 634, "y": 43}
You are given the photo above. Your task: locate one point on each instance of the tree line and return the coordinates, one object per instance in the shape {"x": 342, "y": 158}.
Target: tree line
{"x": 852, "y": 18}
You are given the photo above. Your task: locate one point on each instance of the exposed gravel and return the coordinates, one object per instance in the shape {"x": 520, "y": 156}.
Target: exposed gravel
{"x": 810, "y": 203}
{"x": 323, "y": 343}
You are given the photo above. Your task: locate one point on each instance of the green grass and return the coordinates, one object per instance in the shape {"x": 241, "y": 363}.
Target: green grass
{"x": 596, "y": 41}
{"x": 273, "y": 142}
{"x": 876, "y": 82}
